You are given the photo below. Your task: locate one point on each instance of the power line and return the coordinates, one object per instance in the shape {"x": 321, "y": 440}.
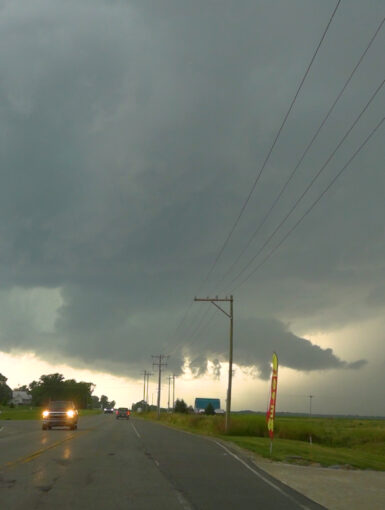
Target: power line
{"x": 266, "y": 258}
{"x": 310, "y": 144}
{"x": 299, "y": 199}
{"x": 313, "y": 204}
{"x": 311, "y": 182}
{"x": 264, "y": 163}
{"x": 272, "y": 146}
{"x": 201, "y": 326}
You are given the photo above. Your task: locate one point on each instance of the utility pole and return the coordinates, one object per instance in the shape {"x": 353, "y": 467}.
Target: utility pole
{"x": 173, "y": 392}
{"x": 148, "y": 377}
{"x": 310, "y": 401}
{"x": 170, "y": 377}
{"x": 162, "y": 362}
{"x": 144, "y": 384}
{"x": 230, "y": 315}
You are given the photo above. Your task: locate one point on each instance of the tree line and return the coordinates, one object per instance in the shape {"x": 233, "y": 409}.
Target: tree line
{"x": 56, "y": 387}
{"x": 179, "y": 407}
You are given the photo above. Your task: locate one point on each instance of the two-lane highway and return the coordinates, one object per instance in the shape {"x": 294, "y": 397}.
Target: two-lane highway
{"x": 133, "y": 464}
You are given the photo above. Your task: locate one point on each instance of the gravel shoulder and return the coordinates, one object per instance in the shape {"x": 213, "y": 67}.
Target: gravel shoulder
{"x": 336, "y": 489}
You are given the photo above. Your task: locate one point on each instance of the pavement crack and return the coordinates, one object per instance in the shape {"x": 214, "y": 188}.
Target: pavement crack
{"x": 44, "y": 488}
{"x": 62, "y": 462}
{"x": 6, "y": 483}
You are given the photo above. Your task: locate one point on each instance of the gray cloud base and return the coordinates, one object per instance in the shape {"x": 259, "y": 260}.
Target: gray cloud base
{"x": 131, "y": 135}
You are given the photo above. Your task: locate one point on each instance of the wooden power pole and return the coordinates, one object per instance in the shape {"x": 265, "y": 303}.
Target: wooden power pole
{"x": 162, "y": 362}
{"x": 148, "y": 375}
{"x": 230, "y": 315}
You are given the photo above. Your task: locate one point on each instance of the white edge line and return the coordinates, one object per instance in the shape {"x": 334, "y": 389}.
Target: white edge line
{"x": 185, "y": 504}
{"x": 136, "y": 432}
{"x": 266, "y": 480}
{"x": 2, "y": 428}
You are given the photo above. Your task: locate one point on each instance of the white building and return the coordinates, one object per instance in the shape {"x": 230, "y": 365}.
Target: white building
{"x": 21, "y": 398}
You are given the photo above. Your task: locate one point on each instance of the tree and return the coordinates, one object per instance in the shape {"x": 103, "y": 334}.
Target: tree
{"x": 5, "y": 390}
{"x": 95, "y": 402}
{"x": 180, "y": 406}
{"x": 209, "y": 409}
{"x": 142, "y": 404}
{"x": 54, "y": 387}
{"x": 22, "y": 388}
{"x": 104, "y": 401}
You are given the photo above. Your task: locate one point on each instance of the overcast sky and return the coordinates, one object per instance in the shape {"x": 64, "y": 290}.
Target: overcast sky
{"x": 131, "y": 133}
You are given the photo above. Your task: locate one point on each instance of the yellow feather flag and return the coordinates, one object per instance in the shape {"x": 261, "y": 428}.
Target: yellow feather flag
{"x": 273, "y": 397}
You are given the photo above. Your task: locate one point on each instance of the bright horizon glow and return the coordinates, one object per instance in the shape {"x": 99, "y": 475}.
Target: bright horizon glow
{"x": 249, "y": 393}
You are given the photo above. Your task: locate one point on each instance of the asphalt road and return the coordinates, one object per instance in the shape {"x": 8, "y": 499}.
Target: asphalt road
{"x": 135, "y": 464}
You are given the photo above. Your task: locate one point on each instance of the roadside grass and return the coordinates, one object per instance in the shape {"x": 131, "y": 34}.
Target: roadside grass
{"x": 89, "y": 412}
{"x": 33, "y": 413}
{"x": 350, "y": 443}
{"x": 302, "y": 453}
{"x": 20, "y": 413}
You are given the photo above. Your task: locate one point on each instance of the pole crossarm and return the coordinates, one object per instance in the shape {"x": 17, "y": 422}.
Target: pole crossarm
{"x": 214, "y": 302}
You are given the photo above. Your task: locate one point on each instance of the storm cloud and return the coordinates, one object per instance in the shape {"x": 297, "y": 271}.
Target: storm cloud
{"x": 131, "y": 133}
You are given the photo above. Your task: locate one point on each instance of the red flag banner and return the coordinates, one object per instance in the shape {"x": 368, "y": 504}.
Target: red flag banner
{"x": 273, "y": 397}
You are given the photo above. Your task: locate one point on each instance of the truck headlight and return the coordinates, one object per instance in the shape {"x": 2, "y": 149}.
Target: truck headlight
{"x": 45, "y": 414}
{"x": 70, "y": 413}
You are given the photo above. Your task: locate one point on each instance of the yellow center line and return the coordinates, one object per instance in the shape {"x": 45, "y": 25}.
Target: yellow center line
{"x": 34, "y": 455}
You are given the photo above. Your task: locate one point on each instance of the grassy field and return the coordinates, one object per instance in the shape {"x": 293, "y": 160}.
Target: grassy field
{"x": 33, "y": 413}
{"x": 351, "y": 443}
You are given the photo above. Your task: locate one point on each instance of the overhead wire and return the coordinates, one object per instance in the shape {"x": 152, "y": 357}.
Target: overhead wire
{"x": 309, "y": 145}
{"x": 301, "y": 160}
{"x": 299, "y": 199}
{"x": 315, "y": 202}
{"x": 262, "y": 167}
{"x": 266, "y": 258}
{"x": 273, "y": 145}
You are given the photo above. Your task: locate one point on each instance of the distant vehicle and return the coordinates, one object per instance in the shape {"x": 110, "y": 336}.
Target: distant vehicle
{"x": 60, "y": 413}
{"x": 108, "y": 410}
{"x": 123, "y": 412}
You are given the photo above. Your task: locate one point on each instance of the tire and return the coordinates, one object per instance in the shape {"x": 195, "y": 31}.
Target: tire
{"x": 44, "y": 427}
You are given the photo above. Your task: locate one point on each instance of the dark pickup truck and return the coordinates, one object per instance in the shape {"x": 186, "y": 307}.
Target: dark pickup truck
{"x": 60, "y": 413}
{"x": 123, "y": 412}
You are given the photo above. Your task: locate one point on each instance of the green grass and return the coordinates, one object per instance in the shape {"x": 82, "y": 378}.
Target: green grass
{"x": 33, "y": 413}
{"x": 89, "y": 412}
{"x": 355, "y": 443}
{"x": 20, "y": 413}
{"x": 300, "y": 452}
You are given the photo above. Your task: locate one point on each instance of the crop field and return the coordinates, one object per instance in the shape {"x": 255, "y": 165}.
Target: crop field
{"x": 33, "y": 413}
{"x": 348, "y": 443}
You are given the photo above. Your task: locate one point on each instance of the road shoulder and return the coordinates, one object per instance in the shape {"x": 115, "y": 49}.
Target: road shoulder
{"x": 335, "y": 489}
